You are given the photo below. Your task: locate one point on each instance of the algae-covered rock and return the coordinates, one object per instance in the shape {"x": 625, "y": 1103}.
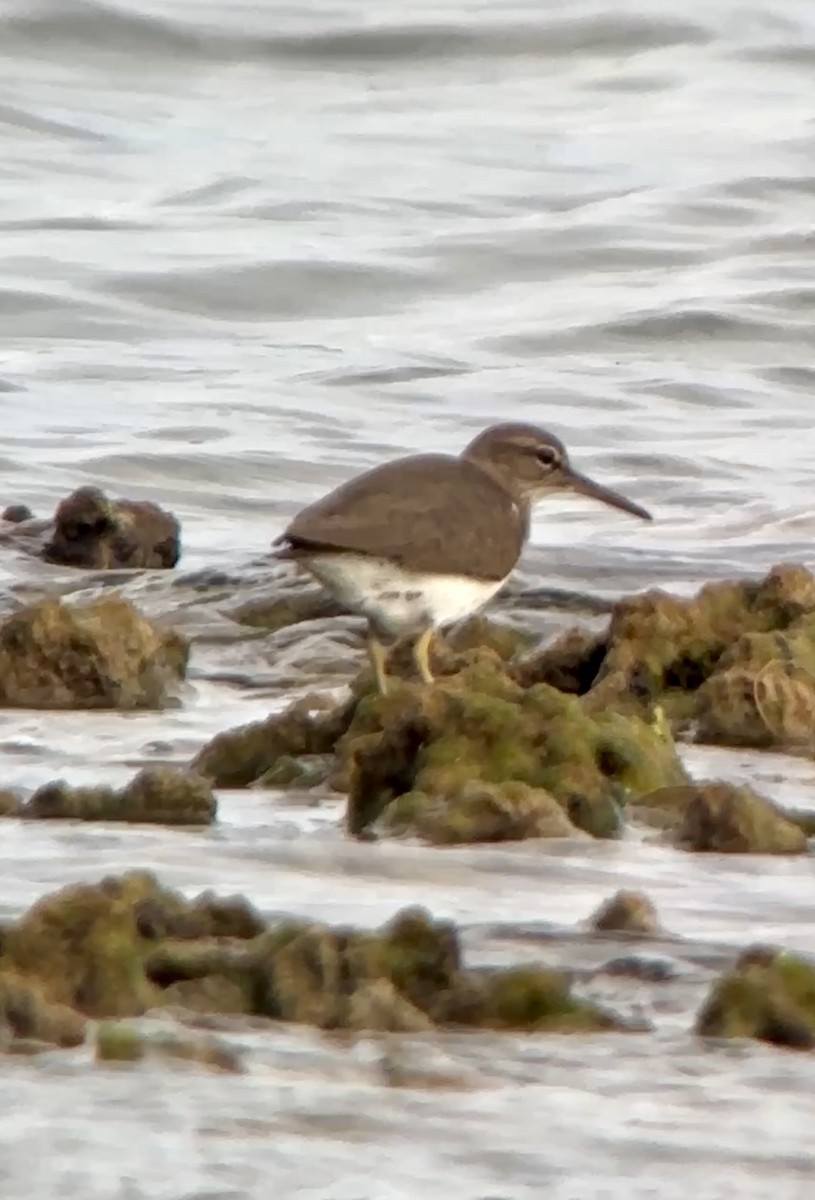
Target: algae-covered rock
{"x": 82, "y": 946}
{"x": 166, "y": 797}
{"x": 480, "y": 812}
{"x": 10, "y": 803}
{"x": 26, "y": 1013}
{"x": 538, "y": 1000}
{"x": 126, "y": 946}
{"x": 701, "y": 658}
{"x": 117, "y": 1042}
{"x": 481, "y": 726}
{"x": 155, "y": 796}
{"x": 768, "y": 995}
{"x": 301, "y": 774}
{"x": 101, "y": 655}
{"x": 728, "y": 819}
{"x": 626, "y": 912}
{"x": 239, "y": 757}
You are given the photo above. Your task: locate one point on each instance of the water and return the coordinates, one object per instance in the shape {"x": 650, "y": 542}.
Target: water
{"x": 250, "y": 249}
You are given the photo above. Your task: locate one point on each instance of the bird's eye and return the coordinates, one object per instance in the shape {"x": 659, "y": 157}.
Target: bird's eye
{"x": 547, "y": 456}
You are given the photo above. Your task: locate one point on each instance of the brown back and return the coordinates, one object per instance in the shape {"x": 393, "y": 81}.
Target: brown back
{"x": 428, "y": 512}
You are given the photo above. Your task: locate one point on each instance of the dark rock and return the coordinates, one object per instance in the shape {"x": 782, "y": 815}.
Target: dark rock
{"x": 94, "y": 532}
{"x": 626, "y": 912}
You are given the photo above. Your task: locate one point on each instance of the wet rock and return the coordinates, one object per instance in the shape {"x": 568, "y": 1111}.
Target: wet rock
{"x": 760, "y": 704}
{"x": 538, "y": 1000}
{"x": 155, "y": 796}
{"x": 626, "y": 912}
{"x": 570, "y": 664}
{"x": 82, "y": 946}
{"x": 768, "y": 995}
{"x": 120, "y": 1043}
{"x": 480, "y": 812}
{"x": 727, "y": 819}
{"x": 94, "y": 532}
{"x": 303, "y": 773}
{"x": 240, "y": 757}
{"x": 126, "y": 946}
{"x": 101, "y": 655}
{"x": 10, "y": 804}
{"x": 701, "y": 657}
{"x": 166, "y": 797}
{"x": 117, "y": 1042}
{"x": 286, "y": 608}
{"x": 481, "y": 726}
{"x": 26, "y": 1013}
{"x": 16, "y": 514}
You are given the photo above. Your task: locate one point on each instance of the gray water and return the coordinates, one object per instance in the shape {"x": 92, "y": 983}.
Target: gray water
{"x": 249, "y": 249}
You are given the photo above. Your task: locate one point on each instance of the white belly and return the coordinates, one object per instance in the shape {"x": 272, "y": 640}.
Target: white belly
{"x": 398, "y": 601}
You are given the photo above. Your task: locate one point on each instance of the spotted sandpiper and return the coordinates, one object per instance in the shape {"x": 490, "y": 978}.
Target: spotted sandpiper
{"x": 424, "y": 541}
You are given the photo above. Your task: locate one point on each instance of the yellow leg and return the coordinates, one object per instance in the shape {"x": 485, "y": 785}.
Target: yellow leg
{"x": 421, "y": 655}
{"x": 378, "y": 655}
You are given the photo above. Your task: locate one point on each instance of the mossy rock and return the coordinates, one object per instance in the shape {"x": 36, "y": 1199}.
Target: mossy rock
{"x": 768, "y": 995}
{"x": 538, "y": 1000}
{"x": 27, "y": 1013}
{"x": 725, "y": 818}
{"x": 155, "y": 796}
{"x": 99, "y": 655}
{"x": 241, "y": 757}
{"x": 626, "y": 912}
{"x": 299, "y": 774}
{"x": 481, "y": 726}
{"x": 480, "y": 812}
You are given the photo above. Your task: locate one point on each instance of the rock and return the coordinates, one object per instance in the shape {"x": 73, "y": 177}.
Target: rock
{"x": 155, "y": 796}
{"x": 93, "y": 532}
{"x": 127, "y": 946}
{"x": 303, "y": 773}
{"x": 727, "y": 819}
{"x": 626, "y": 912}
{"x": 82, "y": 946}
{"x": 11, "y": 804}
{"x": 121, "y": 1043}
{"x": 287, "y": 608}
{"x": 538, "y": 1000}
{"x": 25, "y": 1013}
{"x": 480, "y": 812}
{"x": 241, "y": 757}
{"x": 16, "y": 514}
{"x": 768, "y": 995}
{"x": 117, "y": 1042}
{"x": 700, "y": 658}
{"x": 480, "y": 726}
{"x": 101, "y": 655}
{"x": 166, "y": 797}
{"x": 569, "y": 664}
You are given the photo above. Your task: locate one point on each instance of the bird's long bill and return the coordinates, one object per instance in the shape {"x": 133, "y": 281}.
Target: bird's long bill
{"x": 596, "y": 491}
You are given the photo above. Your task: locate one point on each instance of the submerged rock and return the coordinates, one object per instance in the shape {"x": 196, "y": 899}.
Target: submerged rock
{"x": 102, "y": 654}
{"x": 117, "y": 1042}
{"x": 768, "y": 995}
{"x": 127, "y": 946}
{"x": 155, "y": 796}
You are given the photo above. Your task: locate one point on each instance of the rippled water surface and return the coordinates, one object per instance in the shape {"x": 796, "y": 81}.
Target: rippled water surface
{"x": 251, "y": 248}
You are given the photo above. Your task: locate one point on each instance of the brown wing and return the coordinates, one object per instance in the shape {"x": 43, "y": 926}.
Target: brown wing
{"x": 429, "y": 512}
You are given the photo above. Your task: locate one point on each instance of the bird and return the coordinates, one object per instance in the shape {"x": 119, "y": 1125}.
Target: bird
{"x": 424, "y": 541}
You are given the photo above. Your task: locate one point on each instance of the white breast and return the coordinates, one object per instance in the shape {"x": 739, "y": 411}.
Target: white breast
{"x": 398, "y": 601}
